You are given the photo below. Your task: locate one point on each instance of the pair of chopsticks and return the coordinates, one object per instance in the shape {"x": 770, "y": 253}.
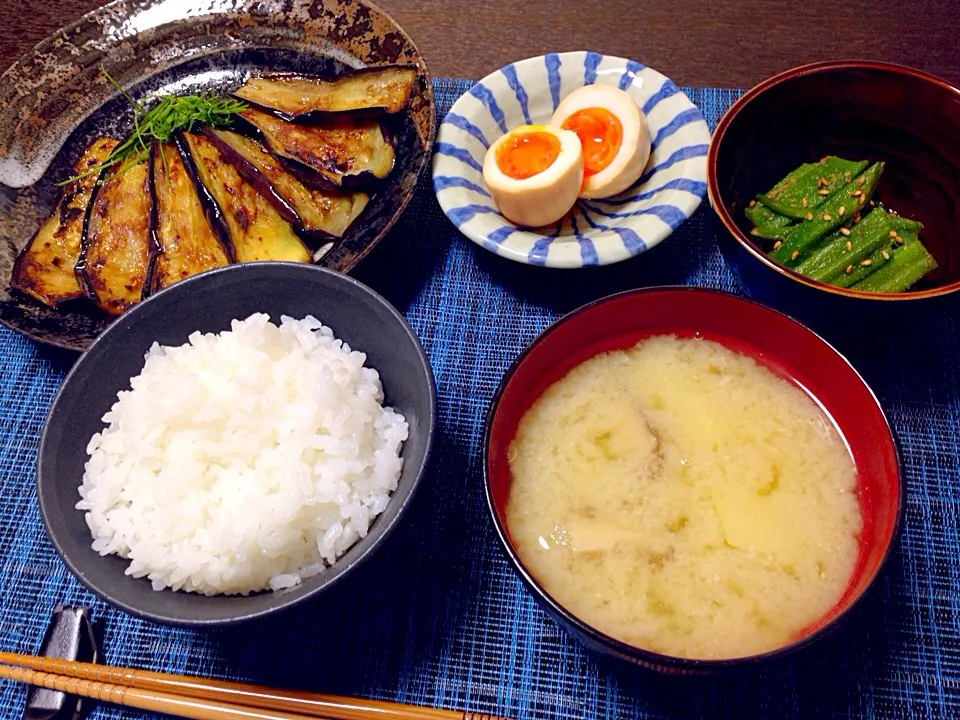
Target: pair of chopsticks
{"x": 201, "y": 699}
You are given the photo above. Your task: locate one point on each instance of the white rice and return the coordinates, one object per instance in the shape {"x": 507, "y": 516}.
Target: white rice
{"x": 243, "y": 461}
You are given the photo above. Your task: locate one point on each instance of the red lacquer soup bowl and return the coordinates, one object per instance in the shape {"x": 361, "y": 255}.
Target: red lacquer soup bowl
{"x": 774, "y": 340}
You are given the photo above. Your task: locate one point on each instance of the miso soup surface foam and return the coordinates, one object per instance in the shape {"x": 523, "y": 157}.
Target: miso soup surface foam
{"x": 684, "y": 499}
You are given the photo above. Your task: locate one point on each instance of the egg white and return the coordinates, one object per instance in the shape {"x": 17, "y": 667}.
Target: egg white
{"x": 631, "y": 158}
{"x": 543, "y": 198}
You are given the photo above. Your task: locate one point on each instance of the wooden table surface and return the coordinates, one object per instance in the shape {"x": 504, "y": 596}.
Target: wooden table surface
{"x": 696, "y": 42}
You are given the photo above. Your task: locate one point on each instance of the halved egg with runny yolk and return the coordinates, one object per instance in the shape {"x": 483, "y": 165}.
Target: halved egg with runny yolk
{"x": 534, "y": 173}
{"x": 614, "y": 135}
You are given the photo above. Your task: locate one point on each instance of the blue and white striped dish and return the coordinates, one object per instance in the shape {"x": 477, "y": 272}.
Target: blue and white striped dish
{"x": 597, "y": 232}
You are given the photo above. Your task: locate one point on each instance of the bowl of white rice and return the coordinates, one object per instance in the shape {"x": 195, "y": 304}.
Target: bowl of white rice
{"x": 236, "y": 444}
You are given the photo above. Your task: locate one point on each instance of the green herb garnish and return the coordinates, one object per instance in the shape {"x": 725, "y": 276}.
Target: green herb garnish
{"x": 170, "y": 114}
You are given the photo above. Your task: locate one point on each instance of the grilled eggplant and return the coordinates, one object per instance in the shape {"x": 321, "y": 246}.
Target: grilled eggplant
{"x": 361, "y": 93}
{"x": 256, "y": 230}
{"x": 338, "y": 156}
{"x": 188, "y": 242}
{"x": 117, "y": 240}
{"x": 45, "y": 266}
{"x": 317, "y": 212}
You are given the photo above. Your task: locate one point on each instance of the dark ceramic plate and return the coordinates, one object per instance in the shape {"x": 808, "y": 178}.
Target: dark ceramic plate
{"x": 776, "y": 341}
{"x": 356, "y": 314}
{"x": 55, "y": 100}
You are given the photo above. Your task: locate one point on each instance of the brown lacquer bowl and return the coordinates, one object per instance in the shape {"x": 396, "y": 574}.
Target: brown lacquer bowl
{"x": 55, "y": 100}
{"x": 857, "y": 110}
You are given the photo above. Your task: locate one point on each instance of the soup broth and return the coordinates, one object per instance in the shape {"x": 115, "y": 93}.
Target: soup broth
{"x": 683, "y": 499}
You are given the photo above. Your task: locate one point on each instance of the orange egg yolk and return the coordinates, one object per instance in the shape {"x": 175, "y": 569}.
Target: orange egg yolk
{"x": 526, "y": 154}
{"x": 601, "y": 135}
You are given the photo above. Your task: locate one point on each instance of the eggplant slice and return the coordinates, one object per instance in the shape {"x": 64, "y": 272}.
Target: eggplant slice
{"x": 256, "y": 230}
{"x": 338, "y": 156}
{"x": 317, "y": 212}
{"x": 361, "y": 93}
{"x": 45, "y": 267}
{"x": 187, "y": 241}
{"x": 117, "y": 239}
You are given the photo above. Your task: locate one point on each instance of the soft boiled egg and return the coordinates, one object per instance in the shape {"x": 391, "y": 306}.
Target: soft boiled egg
{"x": 534, "y": 173}
{"x": 614, "y": 135}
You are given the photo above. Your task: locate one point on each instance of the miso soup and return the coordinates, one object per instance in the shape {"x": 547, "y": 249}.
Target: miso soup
{"x": 684, "y": 499}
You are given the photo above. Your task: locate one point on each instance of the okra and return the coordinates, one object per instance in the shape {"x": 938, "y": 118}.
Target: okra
{"x": 859, "y": 270}
{"x": 839, "y": 250}
{"x": 771, "y": 232}
{"x": 904, "y": 224}
{"x": 907, "y": 264}
{"x": 761, "y": 216}
{"x": 832, "y": 214}
{"x": 813, "y": 188}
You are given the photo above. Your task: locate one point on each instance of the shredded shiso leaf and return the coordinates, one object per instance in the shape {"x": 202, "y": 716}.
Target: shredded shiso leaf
{"x": 168, "y": 115}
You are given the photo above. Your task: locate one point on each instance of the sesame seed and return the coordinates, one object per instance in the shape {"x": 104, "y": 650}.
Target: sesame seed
{"x": 872, "y": 203}
{"x": 777, "y": 244}
{"x": 899, "y": 240}
{"x": 823, "y": 181}
{"x": 862, "y": 199}
{"x": 841, "y": 211}
{"x": 893, "y": 233}
{"x": 826, "y": 216}
{"x": 886, "y": 255}
{"x": 823, "y": 191}
{"x": 856, "y": 193}
{"x": 849, "y": 269}
{"x": 849, "y": 246}
{"x": 795, "y": 254}
{"x": 803, "y": 201}
{"x": 752, "y": 203}
{"x": 862, "y": 180}
{"x": 809, "y": 216}
{"x": 844, "y": 231}
{"x": 866, "y": 262}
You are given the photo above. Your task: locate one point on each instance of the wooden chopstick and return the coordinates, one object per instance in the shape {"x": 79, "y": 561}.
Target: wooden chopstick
{"x": 181, "y": 706}
{"x": 202, "y": 699}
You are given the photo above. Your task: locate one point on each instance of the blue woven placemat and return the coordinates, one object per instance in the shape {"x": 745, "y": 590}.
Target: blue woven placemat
{"x": 438, "y": 617}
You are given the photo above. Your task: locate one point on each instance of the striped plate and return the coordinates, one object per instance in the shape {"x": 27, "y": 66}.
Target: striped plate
{"x": 597, "y": 232}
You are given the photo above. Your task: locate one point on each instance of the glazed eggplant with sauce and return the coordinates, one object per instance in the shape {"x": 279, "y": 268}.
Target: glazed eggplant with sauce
{"x": 187, "y": 191}
{"x": 187, "y": 236}
{"x": 316, "y": 212}
{"x": 117, "y": 244}
{"x": 45, "y": 267}
{"x": 359, "y": 93}
{"x": 337, "y": 156}
{"x": 256, "y": 230}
